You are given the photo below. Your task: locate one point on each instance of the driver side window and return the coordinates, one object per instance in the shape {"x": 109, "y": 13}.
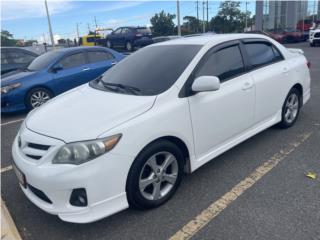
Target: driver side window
{"x": 72, "y": 61}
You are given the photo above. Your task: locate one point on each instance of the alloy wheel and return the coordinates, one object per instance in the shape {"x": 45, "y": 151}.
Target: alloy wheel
{"x": 291, "y": 108}
{"x": 38, "y": 98}
{"x": 158, "y": 176}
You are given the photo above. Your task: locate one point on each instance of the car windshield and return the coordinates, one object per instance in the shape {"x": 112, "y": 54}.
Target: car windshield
{"x": 43, "y": 61}
{"x": 149, "y": 71}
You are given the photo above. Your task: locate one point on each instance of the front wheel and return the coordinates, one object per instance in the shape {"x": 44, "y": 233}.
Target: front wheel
{"x": 36, "y": 97}
{"x": 291, "y": 108}
{"x": 155, "y": 175}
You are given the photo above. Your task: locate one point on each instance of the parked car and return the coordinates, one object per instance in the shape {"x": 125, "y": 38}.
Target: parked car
{"x": 129, "y": 37}
{"x": 277, "y": 35}
{"x": 89, "y": 40}
{"x": 53, "y": 73}
{"x": 314, "y": 38}
{"x": 293, "y": 35}
{"x": 13, "y": 58}
{"x": 126, "y": 138}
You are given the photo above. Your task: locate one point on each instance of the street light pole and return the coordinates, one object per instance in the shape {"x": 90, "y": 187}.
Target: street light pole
{"x": 178, "y": 15}
{"x": 246, "y": 16}
{"x": 49, "y": 23}
{"x": 203, "y": 21}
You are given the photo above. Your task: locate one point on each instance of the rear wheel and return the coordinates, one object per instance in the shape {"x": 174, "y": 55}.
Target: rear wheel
{"x": 129, "y": 46}
{"x": 38, "y": 96}
{"x": 155, "y": 175}
{"x": 291, "y": 108}
{"x": 109, "y": 44}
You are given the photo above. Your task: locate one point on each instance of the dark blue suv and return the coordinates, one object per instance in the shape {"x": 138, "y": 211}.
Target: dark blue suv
{"x": 129, "y": 37}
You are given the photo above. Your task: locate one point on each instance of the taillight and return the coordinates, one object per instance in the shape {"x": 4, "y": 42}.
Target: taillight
{"x": 308, "y": 64}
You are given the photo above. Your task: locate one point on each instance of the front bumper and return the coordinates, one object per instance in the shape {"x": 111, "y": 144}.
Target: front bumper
{"x": 103, "y": 178}
{"x": 12, "y": 102}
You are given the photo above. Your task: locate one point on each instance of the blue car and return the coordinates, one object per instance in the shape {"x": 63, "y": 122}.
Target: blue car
{"x": 53, "y": 73}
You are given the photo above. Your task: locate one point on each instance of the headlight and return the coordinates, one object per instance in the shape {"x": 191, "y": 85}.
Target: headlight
{"x": 81, "y": 152}
{"x": 8, "y": 88}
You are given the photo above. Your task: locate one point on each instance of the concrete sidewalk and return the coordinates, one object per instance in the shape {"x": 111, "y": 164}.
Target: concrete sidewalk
{"x": 8, "y": 228}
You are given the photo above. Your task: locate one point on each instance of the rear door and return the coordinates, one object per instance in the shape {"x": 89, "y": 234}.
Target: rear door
{"x": 99, "y": 62}
{"x": 218, "y": 116}
{"x": 117, "y": 37}
{"x": 271, "y": 76}
{"x": 74, "y": 72}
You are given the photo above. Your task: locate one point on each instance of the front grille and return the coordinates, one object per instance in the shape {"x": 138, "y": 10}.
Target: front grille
{"x": 38, "y": 146}
{"x": 32, "y": 150}
{"x": 39, "y": 194}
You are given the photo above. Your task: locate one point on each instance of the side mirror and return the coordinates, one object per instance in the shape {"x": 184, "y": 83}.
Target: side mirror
{"x": 57, "y": 68}
{"x": 206, "y": 84}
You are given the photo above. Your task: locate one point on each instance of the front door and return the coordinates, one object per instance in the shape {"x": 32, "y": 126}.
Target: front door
{"x": 218, "y": 116}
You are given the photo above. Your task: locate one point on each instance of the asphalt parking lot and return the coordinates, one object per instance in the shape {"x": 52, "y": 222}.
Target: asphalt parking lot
{"x": 281, "y": 204}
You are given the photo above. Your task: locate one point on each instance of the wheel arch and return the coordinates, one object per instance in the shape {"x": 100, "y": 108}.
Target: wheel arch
{"x": 299, "y": 87}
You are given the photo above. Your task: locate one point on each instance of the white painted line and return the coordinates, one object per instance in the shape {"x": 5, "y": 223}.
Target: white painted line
{"x": 195, "y": 225}
{"x": 8, "y": 228}
{"x": 10, "y": 122}
{"x": 5, "y": 169}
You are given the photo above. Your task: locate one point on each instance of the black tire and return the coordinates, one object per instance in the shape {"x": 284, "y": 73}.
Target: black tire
{"x": 109, "y": 44}
{"x": 311, "y": 44}
{"x": 32, "y": 92}
{"x": 129, "y": 46}
{"x": 134, "y": 195}
{"x": 285, "y": 123}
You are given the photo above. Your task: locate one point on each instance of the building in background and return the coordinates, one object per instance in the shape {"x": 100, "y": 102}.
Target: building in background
{"x": 283, "y": 14}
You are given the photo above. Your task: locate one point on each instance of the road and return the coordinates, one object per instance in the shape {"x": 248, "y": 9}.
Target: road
{"x": 282, "y": 203}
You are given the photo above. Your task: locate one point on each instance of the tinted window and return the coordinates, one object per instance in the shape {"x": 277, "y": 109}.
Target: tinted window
{"x": 117, "y": 31}
{"x": 223, "y": 64}
{"x": 73, "y": 60}
{"x": 143, "y": 30}
{"x": 99, "y": 56}
{"x": 43, "y": 61}
{"x": 153, "y": 70}
{"x": 260, "y": 54}
{"x": 92, "y": 39}
{"x": 19, "y": 57}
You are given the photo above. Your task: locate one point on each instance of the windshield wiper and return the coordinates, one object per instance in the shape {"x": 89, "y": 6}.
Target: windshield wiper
{"x": 133, "y": 90}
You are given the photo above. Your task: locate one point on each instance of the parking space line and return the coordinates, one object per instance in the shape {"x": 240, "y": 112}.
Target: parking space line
{"x": 8, "y": 228}
{"x": 195, "y": 225}
{"x": 5, "y": 169}
{"x": 10, "y": 122}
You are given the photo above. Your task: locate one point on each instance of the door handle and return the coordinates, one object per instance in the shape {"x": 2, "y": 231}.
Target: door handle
{"x": 247, "y": 86}
{"x": 113, "y": 63}
{"x": 85, "y": 69}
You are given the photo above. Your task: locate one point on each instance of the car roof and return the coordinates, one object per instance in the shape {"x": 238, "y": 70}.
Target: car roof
{"x": 81, "y": 48}
{"x": 212, "y": 38}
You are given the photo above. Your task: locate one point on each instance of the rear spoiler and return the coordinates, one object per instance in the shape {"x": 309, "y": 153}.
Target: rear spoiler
{"x": 296, "y": 50}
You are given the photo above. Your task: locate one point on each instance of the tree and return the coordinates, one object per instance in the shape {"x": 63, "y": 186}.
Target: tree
{"x": 192, "y": 24}
{"x": 7, "y": 39}
{"x": 229, "y": 18}
{"x": 162, "y": 24}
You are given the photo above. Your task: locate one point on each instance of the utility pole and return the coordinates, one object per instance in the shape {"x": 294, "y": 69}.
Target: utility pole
{"x": 89, "y": 27}
{"x": 95, "y": 22}
{"x": 78, "y": 31}
{"x": 314, "y": 11}
{"x": 246, "y": 16}
{"x": 197, "y": 15}
{"x": 207, "y": 14}
{"x": 178, "y": 15}
{"x": 203, "y": 21}
{"x": 49, "y": 23}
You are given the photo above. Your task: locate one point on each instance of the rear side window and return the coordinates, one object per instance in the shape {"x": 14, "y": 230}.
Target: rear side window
{"x": 143, "y": 30}
{"x": 19, "y": 57}
{"x": 74, "y": 60}
{"x": 261, "y": 54}
{"x": 223, "y": 64}
{"x": 99, "y": 56}
{"x": 317, "y": 35}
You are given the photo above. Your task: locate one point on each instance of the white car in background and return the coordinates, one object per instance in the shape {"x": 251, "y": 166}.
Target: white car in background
{"x": 314, "y": 37}
{"x": 126, "y": 137}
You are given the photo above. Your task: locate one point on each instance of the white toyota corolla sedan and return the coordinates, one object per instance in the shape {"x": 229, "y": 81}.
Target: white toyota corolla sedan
{"x": 126, "y": 138}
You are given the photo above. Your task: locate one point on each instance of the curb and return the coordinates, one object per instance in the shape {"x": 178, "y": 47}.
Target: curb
{"x": 8, "y": 228}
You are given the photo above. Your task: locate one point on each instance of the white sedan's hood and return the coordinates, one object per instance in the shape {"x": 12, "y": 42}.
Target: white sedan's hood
{"x": 85, "y": 113}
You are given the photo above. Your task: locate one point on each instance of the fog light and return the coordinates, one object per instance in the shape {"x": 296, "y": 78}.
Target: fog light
{"x": 78, "y": 197}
